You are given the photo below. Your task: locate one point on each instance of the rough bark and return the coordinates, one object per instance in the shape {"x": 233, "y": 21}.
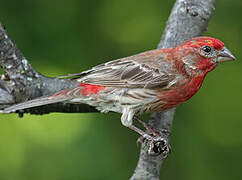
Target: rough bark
{"x": 21, "y": 82}
{"x": 188, "y": 18}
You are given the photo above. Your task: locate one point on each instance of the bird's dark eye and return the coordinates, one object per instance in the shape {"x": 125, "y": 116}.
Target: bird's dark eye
{"x": 207, "y": 49}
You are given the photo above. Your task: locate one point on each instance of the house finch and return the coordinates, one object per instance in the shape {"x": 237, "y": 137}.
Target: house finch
{"x": 152, "y": 81}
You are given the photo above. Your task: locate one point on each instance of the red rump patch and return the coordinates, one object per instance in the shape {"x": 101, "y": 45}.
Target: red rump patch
{"x": 90, "y": 89}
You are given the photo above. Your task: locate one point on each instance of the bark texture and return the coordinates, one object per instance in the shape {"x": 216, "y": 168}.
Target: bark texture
{"x": 188, "y": 18}
{"x": 21, "y": 82}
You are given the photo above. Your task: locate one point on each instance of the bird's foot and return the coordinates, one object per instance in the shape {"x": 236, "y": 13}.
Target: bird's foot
{"x": 156, "y": 145}
{"x": 156, "y": 142}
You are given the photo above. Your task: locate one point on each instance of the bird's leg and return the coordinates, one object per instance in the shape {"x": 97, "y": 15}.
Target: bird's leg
{"x": 151, "y": 130}
{"x": 144, "y": 124}
{"x": 157, "y": 144}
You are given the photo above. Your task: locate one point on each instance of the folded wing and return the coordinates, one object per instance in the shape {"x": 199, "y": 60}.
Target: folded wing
{"x": 126, "y": 73}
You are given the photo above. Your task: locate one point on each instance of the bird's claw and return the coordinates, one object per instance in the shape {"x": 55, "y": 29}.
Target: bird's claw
{"x": 156, "y": 145}
{"x": 156, "y": 141}
{"x": 159, "y": 146}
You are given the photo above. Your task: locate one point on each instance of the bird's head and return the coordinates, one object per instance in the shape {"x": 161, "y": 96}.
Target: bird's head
{"x": 204, "y": 53}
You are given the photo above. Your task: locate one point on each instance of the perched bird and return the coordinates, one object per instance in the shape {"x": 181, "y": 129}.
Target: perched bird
{"x": 152, "y": 81}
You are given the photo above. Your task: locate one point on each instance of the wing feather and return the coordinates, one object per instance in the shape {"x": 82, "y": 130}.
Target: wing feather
{"x": 131, "y": 72}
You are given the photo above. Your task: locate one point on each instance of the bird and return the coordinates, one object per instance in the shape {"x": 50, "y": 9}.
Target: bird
{"x": 151, "y": 81}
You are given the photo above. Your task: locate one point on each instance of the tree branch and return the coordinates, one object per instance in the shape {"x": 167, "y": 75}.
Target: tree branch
{"x": 188, "y": 18}
{"x": 21, "y": 82}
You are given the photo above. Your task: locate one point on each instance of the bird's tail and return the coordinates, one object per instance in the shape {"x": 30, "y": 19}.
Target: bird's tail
{"x": 68, "y": 94}
{"x": 34, "y": 103}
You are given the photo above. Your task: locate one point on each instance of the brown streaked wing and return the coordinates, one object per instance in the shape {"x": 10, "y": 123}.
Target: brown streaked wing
{"x": 127, "y": 73}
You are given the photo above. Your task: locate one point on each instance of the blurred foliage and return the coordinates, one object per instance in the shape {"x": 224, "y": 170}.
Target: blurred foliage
{"x": 61, "y": 37}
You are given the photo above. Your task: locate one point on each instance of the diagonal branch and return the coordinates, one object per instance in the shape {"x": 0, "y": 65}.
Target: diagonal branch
{"x": 188, "y": 18}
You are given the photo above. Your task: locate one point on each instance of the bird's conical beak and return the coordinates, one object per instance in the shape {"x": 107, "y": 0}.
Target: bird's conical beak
{"x": 225, "y": 55}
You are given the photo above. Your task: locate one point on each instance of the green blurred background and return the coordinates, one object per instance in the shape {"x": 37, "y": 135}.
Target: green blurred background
{"x": 61, "y": 37}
